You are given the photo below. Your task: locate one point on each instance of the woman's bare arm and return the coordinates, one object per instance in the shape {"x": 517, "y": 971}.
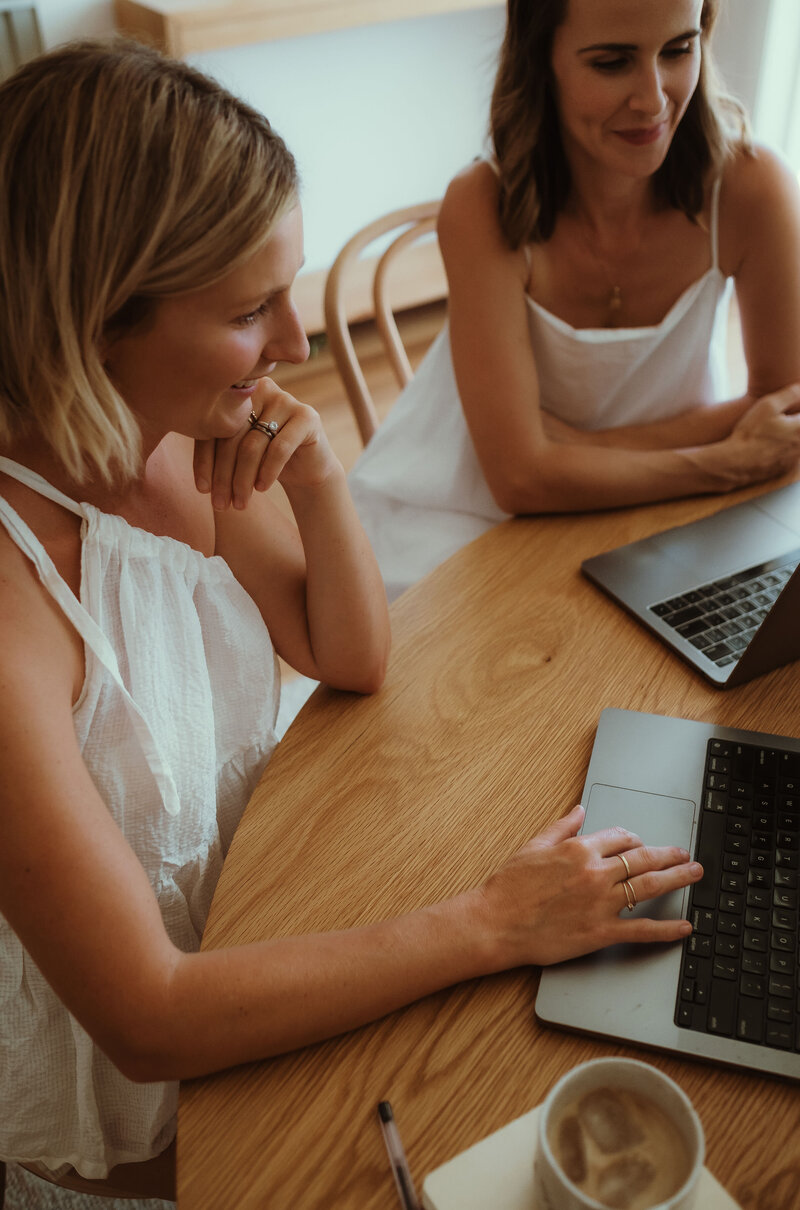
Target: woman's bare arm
{"x": 74, "y": 892}
{"x": 535, "y": 463}
{"x": 317, "y": 583}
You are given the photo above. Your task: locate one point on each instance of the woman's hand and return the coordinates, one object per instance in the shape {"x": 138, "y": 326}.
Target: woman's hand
{"x": 764, "y": 443}
{"x": 298, "y": 456}
{"x": 561, "y": 895}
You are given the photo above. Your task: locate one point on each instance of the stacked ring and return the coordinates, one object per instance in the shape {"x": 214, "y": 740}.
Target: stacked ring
{"x": 624, "y": 861}
{"x": 268, "y": 427}
{"x": 630, "y": 895}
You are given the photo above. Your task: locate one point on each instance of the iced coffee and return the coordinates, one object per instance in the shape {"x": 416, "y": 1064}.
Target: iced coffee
{"x": 620, "y": 1148}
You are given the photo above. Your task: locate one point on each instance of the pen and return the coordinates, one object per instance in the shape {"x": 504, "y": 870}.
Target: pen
{"x": 397, "y": 1158}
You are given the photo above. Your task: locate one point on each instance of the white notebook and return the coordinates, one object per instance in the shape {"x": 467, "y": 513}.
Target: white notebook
{"x": 498, "y": 1172}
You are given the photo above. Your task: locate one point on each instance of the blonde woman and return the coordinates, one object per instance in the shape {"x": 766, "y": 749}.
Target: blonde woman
{"x": 590, "y": 262}
{"x": 149, "y": 234}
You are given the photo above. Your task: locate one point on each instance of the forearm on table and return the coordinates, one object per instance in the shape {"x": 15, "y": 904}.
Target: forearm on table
{"x": 578, "y": 478}
{"x": 345, "y": 600}
{"x": 237, "y": 1005}
{"x": 700, "y": 425}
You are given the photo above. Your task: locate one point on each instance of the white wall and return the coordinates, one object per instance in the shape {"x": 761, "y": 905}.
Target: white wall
{"x": 385, "y": 114}
{"x": 377, "y": 117}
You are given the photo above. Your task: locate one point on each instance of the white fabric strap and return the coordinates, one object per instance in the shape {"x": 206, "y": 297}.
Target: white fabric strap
{"x": 715, "y": 188}
{"x": 88, "y": 629}
{"x": 24, "y": 475}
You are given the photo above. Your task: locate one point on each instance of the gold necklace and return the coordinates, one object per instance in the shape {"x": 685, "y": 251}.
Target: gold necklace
{"x": 614, "y": 302}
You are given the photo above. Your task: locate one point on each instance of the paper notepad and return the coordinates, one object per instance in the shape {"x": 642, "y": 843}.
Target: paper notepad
{"x": 498, "y": 1172}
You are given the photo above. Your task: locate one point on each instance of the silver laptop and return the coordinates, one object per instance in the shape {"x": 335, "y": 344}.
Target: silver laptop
{"x": 729, "y": 993}
{"x": 723, "y": 592}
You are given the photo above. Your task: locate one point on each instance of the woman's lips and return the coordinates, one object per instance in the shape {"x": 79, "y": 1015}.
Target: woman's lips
{"x": 641, "y": 136}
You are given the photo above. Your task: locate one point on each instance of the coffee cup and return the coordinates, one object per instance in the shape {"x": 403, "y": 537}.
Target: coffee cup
{"x": 617, "y": 1133}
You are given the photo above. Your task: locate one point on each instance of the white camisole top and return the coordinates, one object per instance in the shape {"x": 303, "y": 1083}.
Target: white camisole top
{"x": 418, "y": 486}
{"x": 175, "y": 722}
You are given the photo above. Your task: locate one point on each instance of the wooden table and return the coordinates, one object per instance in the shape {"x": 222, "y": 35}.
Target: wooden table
{"x": 503, "y": 659}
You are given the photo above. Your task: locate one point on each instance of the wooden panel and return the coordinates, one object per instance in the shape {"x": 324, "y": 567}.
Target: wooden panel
{"x": 417, "y": 277}
{"x": 184, "y": 27}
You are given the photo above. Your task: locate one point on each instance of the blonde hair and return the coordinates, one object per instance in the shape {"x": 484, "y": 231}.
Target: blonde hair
{"x": 526, "y": 129}
{"x": 125, "y": 177}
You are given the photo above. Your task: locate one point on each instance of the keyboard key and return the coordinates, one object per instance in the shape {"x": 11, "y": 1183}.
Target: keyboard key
{"x": 751, "y": 985}
{"x": 781, "y": 964}
{"x": 754, "y": 964}
{"x": 779, "y": 1035}
{"x": 754, "y": 939}
{"x": 719, "y": 651}
{"x": 722, "y": 1009}
{"x": 750, "y": 1021}
{"x": 676, "y": 618}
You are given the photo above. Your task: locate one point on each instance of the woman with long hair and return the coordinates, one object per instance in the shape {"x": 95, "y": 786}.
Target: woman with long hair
{"x": 590, "y": 260}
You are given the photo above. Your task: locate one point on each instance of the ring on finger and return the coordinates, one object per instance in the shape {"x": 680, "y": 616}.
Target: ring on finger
{"x": 270, "y": 428}
{"x": 630, "y": 895}
{"x": 624, "y": 861}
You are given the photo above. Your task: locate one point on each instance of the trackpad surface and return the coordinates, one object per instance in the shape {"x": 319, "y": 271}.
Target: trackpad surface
{"x": 658, "y": 820}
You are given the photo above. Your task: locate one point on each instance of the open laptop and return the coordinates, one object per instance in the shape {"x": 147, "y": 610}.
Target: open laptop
{"x": 723, "y": 592}
{"x": 729, "y": 993}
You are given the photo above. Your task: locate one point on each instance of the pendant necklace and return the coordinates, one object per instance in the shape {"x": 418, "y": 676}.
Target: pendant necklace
{"x": 614, "y": 300}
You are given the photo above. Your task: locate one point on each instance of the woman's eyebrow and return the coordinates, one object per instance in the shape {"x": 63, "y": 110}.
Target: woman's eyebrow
{"x": 631, "y": 46}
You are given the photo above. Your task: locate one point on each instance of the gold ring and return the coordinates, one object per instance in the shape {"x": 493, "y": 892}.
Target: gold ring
{"x": 268, "y": 427}
{"x": 624, "y": 861}
{"x": 630, "y": 895}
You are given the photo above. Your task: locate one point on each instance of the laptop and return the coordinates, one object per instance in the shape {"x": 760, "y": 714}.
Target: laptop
{"x": 723, "y": 592}
{"x": 729, "y": 992}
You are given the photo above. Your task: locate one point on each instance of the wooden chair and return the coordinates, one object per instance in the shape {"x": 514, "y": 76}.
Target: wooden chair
{"x": 20, "y": 35}
{"x": 414, "y": 222}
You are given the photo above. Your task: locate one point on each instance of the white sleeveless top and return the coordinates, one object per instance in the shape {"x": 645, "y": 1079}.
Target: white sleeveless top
{"x": 175, "y": 722}
{"x": 419, "y": 488}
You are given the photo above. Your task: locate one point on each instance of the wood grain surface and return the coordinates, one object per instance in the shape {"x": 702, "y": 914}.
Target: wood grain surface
{"x": 503, "y": 660}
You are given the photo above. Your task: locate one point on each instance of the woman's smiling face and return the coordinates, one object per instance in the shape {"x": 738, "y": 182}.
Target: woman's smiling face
{"x": 191, "y": 367}
{"x": 625, "y": 71}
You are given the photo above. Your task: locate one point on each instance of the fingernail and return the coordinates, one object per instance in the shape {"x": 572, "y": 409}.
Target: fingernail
{"x": 686, "y": 928}
{"x": 237, "y": 502}
{"x": 696, "y": 870}
{"x": 219, "y": 502}
{"x": 203, "y": 485}
{"x": 685, "y": 854}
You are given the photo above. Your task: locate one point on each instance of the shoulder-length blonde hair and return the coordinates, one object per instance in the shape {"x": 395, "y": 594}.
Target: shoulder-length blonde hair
{"x": 125, "y": 177}
{"x": 525, "y": 127}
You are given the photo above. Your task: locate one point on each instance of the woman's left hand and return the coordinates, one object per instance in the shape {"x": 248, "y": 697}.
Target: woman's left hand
{"x": 297, "y": 456}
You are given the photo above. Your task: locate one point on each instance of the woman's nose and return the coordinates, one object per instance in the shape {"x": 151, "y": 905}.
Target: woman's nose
{"x": 290, "y": 343}
{"x": 648, "y": 96}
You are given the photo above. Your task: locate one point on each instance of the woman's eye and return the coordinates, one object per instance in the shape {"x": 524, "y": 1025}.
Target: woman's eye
{"x": 675, "y": 52}
{"x": 609, "y": 64}
{"x": 252, "y": 316}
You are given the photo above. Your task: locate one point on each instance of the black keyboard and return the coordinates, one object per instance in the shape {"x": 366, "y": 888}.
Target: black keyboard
{"x": 721, "y": 617}
{"x": 740, "y": 975}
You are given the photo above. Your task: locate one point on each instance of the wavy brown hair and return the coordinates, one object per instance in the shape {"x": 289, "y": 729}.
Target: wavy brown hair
{"x": 125, "y": 177}
{"x": 525, "y": 128}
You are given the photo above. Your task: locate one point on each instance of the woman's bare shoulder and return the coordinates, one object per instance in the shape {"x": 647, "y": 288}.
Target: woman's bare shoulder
{"x": 469, "y": 221}
{"x": 39, "y": 644}
{"x": 759, "y": 190}
{"x": 472, "y": 194}
{"x": 755, "y": 175}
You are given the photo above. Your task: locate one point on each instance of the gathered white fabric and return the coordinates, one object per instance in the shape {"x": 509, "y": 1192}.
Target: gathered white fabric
{"x": 176, "y": 722}
{"x": 418, "y": 486}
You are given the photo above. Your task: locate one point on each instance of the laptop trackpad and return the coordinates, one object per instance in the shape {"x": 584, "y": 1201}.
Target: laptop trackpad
{"x": 656, "y": 819}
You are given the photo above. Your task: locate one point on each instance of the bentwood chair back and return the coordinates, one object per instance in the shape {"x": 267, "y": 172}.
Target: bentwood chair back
{"x": 20, "y": 35}
{"x": 410, "y": 224}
